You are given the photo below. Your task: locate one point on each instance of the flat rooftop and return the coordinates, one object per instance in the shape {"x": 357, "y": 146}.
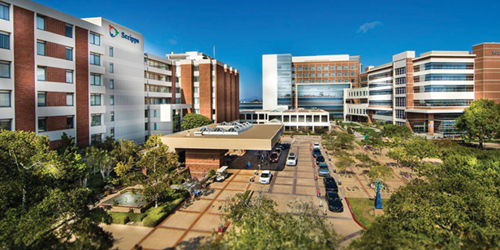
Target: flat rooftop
{"x": 259, "y": 137}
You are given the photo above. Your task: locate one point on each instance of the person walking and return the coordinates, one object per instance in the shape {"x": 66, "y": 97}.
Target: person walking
{"x": 249, "y": 166}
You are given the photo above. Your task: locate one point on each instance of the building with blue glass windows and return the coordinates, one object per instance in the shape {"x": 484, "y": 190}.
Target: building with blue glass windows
{"x": 308, "y": 82}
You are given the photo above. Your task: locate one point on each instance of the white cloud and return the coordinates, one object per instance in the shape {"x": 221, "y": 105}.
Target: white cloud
{"x": 368, "y": 26}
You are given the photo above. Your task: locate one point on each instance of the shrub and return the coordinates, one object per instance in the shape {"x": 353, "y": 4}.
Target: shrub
{"x": 156, "y": 215}
{"x": 120, "y": 218}
{"x": 136, "y": 217}
{"x": 211, "y": 172}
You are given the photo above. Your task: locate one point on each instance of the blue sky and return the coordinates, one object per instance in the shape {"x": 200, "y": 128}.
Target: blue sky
{"x": 242, "y": 31}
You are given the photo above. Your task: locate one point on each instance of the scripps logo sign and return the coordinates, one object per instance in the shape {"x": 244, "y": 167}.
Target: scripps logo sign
{"x": 495, "y": 53}
{"x": 113, "y": 32}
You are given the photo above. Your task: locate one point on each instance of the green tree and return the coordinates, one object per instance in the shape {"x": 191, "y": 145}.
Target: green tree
{"x": 480, "y": 120}
{"x": 42, "y": 205}
{"x": 343, "y": 141}
{"x": 193, "y": 120}
{"x": 456, "y": 206}
{"x": 158, "y": 164}
{"x": 99, "y": 160}
{"x": 365, "y": 159}
{"x": 257, "y": 225}
{"x": 343, "y": 163}
{"x": 396, "y": 131}
{"x": 379, "y": 171}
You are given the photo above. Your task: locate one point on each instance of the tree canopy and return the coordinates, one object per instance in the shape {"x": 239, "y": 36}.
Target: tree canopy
{"x": 396, "y": 131}
{"x": 257, "y": 225}
{"x": 480, "y": 121}
{"x": 456, "y": 205}
{"x": 42, "y": 204}
{"x": 193, "y": 120}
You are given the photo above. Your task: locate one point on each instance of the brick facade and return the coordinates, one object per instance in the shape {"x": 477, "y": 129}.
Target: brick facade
{"x": 56, "y": 123}
{"x": 55, "y": 74}
{"x": 220, "y": 93}
{"x": 55, "y": 50}
{"x": 487, "y": 71}
{"x": 200, "y": 162}
{"x": 55, "y": 26}
{"x": 187, "y": 84}
{"x": 205, "y": 93}
{"x": 55, "y": 99}
{"x": 24, "y": 69}
{"x": 82, "y": 86}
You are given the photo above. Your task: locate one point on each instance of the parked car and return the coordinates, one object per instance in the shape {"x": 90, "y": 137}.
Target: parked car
{"x": 330, "y": 185}
{"x": 285, "y": 146}
{"x": 319, "y": 159}
{"x": 323, "y": 169}
{"x": 316, "y": 146}
{"x": 265, "y": 177}
{"x": 291, "y": 160}
{"x": 278, "y": 150}
{"x": 316, "y": 153}
{"x": 274, "y": 157}
{"x": 334, "y": 202}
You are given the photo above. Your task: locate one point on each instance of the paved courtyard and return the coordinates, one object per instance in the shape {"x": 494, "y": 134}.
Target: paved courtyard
{"x": 187, "y": 227}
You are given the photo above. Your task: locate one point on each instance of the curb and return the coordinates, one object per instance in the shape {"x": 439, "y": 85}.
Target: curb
{"x": 352, "y": 213}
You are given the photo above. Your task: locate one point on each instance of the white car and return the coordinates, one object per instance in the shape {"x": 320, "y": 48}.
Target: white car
{"x": 265, "y": 177}
{"x": 291, "y": 160}
{"x": 316, "y": 146}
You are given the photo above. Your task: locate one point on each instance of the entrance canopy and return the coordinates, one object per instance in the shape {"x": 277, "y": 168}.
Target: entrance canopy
{"x": 254, "y": 137}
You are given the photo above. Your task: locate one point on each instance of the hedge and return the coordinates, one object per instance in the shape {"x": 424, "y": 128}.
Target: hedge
{"x": 120, "y": 218}
{"x": 156, "y": 215}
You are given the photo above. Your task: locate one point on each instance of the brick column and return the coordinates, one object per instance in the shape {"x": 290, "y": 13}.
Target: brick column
{"x": 430, "y": 121}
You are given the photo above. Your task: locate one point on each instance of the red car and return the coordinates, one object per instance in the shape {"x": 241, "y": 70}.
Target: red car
{"x": 275, "y": 157}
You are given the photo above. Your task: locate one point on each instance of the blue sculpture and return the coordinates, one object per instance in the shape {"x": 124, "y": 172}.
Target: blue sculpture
{"x": 378, "y": 200}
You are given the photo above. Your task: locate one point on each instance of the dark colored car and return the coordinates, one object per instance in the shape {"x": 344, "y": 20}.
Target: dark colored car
{"x": 330, "y": 185}
{"x": 323, "y": 169}
{"x": 275, "y": 157}
{"x": 334, "y": 202}
{"x": 285, "y": 146}
{"x": 319, "y": 159}
{"x": 316, "y": 153}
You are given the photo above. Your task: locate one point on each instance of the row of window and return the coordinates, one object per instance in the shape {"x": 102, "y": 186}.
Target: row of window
{"x": 400, "y": 114}
{"x": 444, "y": 77}
{"x": 160, "y": 89}
{"x": 157, "y": 77}
{"x": 443, "y": 103}
{"x": 42, "y": 99}
{"x": 400, "y": 90}
{"x": 339, "y": 67}
{"x": 400, "y": 80}
{"x": 357, "y": 111}
{"x": 339, "y": 74}
{"x": 322, "y": 81}
{"x": 443, "y": 65}
{"x": 358, "y": 93}
{"x": 146, "y": 125}
{"x": 40, "y": 50}
{"x": 381, "y": 92}
{"x": 400, "y": 101}
{"x": 157, "y": 64}
{"x": 379, "y": 75}
{"x": 444, "y": 88}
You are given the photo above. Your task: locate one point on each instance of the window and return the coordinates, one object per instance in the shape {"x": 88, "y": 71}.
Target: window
{"x": 313, "y": 68}
{"x": 196, "y": 79}
{"x": 40, "y": 48}
{"x": 319, "y": 67}
{"x": 400, "y": 71}
{"x": 69, "y": 99}
{"x": 69, "y": 122}
{"x": 196, "y": 68}
{"x": 5, "y": 124}
{"x": 319, "y": 75}
{"x": 196, "y": 100}
{"x": 69, "y": 30}
{"x": 95, "y": 100}
{"x": 40, "y": 73}
{"x": 313, "y": 75}
{"x": 111, "y": 83}
{"x": 339, "y": 74}
{"x": 95, "y": 120}
{"x": 306, "y": 74}
{"x": 401, "y": 90}
{"x": 196, "y": 89}
{"x": 332, "y": 74}
{"x": 332, "y": 68}
{"x": 4, "y": 69}
{"x": 112, "y": 132}
{"x": 69, "y": 54}
{"x": 42, "y": 124}
{"x": 352, "y": 73}
{"x": 42, "y": 99}
{"x": 95, "y": 59}
{"x": 112, "y": 100}
{"x": 95, "y": 138}
{"x": 4, "y": 98}
{"x": 401, "y": 80}
{"x": 112, "y": 116}
{"x": 306, "y": 68}
{"x": 111, "y": 52}
{"x": 154, "y": 125}
{"x": 146, "y": 126}
{"x": 300, "y": 67}
{"x": 339, "y": 67}
{"x": 197, "y": 111}
{"x": 95, "y": 79}
{"x": 4, "y": 12}
{"x": 4, "y": 40}
{"x": 400, "y": 101}
{"x": 40, "y": 22}
{"x": 154, "y": 113}
{"x": 95, "y": 39}
{"x": 111, "y": 68}
{"x": 346, "y": 73}
{"x": 300, "y": 74}
{"x": 353, "y": 67}
{"x": 346, "y": 80}
{"x": 400, "y": 114}
{"x": 69, "y": 76}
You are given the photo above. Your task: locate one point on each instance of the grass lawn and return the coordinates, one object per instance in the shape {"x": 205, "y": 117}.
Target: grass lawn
{"x": 361, "y": 207}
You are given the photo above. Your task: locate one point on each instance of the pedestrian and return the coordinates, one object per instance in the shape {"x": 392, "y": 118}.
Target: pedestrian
{"x": 259, "y": 167}
{"x": 249, "y": 165}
